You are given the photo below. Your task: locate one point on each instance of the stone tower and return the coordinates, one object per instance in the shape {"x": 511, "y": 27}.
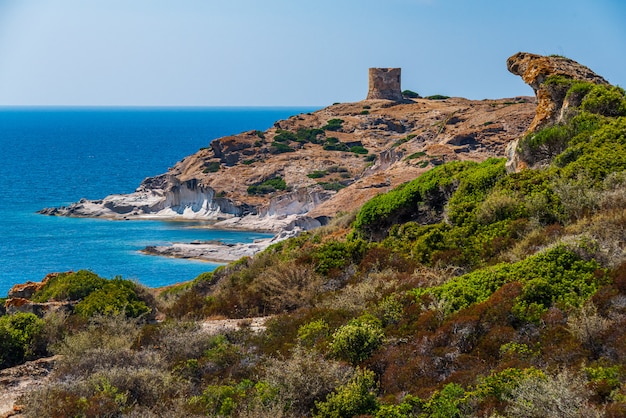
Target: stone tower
{"x": 384, "y": 83}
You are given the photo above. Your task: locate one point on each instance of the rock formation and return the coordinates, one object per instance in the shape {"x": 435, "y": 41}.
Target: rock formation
{"x": 536, "y": 69}
{"x": 19, "y": 299}
{"x": 384, "y": 84}
{"x": 545, "y": 75}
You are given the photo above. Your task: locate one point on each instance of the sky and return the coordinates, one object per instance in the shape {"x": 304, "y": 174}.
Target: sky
{"x": 289, "y": 52}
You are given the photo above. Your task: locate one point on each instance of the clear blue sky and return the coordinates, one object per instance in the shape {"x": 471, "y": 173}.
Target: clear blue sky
{"x": 288, "y": 52}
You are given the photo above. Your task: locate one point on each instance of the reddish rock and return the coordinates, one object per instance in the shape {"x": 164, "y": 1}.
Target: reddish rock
{"x": 535, "y": 70}
{"x": 28, "y": 289}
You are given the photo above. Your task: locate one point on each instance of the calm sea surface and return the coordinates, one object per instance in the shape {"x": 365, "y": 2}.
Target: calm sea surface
{"x": 51, "y": 157}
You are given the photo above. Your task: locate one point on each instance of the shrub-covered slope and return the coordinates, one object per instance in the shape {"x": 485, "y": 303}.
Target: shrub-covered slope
{"x": 469, "y": 291}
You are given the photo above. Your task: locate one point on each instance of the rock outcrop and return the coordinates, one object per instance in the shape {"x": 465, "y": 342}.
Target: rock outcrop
{"x": 550, "y": 77}
{"x": 535, "y": 70}
{"x": 20, "y": 295}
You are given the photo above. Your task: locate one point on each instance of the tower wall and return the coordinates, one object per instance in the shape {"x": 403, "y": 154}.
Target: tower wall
{"x": 384, "y": 83}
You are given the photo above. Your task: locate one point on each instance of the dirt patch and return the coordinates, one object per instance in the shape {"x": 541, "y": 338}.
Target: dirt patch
{"x": 218, "y": 326}
{"x": 18, "y": 380}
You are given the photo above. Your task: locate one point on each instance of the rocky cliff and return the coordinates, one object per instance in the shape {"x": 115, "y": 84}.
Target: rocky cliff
{"x": 551, "y": 78}
{"x": 308, "y": 167}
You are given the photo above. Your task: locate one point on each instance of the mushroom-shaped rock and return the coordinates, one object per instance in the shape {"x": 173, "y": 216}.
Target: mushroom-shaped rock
{"x": 535, "y": 70}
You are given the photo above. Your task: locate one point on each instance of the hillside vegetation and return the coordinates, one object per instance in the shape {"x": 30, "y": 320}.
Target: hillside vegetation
{"x": 469, "y": 291}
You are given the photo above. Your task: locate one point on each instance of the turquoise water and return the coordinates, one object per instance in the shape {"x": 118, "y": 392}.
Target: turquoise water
{"x": 52, "y": 157}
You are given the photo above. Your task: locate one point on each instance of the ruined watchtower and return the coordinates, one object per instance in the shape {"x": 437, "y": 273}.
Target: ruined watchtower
{"x": 384, "y": 84}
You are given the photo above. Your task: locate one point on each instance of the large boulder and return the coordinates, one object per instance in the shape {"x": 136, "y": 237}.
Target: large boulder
{"x": 535, "y": 70}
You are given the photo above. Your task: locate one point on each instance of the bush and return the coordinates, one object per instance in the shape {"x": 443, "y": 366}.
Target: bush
{"x": 333, "y": 125}
{"x": 285, "y": 136}
{"x": 115, "y": 297}
{"x": 19, "y": 335}
{"x": 359, "y": 149}
{"x": 69, "y": 286}
{"x": 334, "y": 185}
{"x": 280, "y": 148}
{"x": 563, "y": 395}
{"x": 335, "y": 255}
{"x": 317, "y": 174}
{"x": 410, "y": 94}
{"x": 304, "y": 378}
{"x": 399, "y": 205}
{"x": 212, "y": 167}
{"x": 437, "y": 97}
{"x": 544, "y": 145}
{"x": 333, "y": 144}
{"x": 355, "y": 398}
{"x": 268, "y": 186}
{"x": 309, "y": 135}
{"x": 356, "y": 340}
{"x": 556, "y": 275}
{"x": 605, "y": 100}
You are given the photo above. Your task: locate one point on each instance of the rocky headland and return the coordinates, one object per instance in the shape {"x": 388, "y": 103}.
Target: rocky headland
{"x": 330, "y": 160}
{"x": 307, "y": 168}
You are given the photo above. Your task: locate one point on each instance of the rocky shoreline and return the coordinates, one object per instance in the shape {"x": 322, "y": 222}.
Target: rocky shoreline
{"x": 215, "y": 252}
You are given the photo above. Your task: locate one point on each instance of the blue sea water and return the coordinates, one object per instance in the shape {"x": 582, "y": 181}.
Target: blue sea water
{"x": 55, "y": 156}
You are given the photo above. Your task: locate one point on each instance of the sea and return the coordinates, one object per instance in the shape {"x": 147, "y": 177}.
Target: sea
{"x": 52, "y": 157}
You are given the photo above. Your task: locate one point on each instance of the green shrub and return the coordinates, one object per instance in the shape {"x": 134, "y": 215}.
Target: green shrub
{"x": 333, "y": 144}
{"x": 410, "y": 94}
{"x": 597, "y": 153}
{"x": 336, "y": 186}
{"x": 437, "y": 97}
{"x": 313, "y": 135}
{"x": 333, "y": 125}
{"x": 415, "y": 155}
{"x": 280, "y": 148}
{"x": 317, "y": 174}
{"x": 311, "y": 333}
{"x": 19, "y": 334}
{"x": 364, "y": 112}
{"x": 357, "y": 397}
{"x": 399, "y": 205}
{"x": 69, "y": 286}
{"x": 268, "y": 186}
{"x": 545, "y": 144}
{"x": 116, "y": 297}
{"x": 357, "y": 340}
{"x": 446, "y": 402}
{"x": 333, "y": 255}
{"x": 605, "y": 100}
{"x": 222, "y": 400}
{"x": 359, "y": 149}
{"x": 285, "y": 136}
{"x": 554, "y": 276}
{"x": 212, "y": 167}
{"x": 500, "y": 385}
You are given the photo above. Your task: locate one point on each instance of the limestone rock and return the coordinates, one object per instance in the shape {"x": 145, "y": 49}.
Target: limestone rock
{"x": 535, "y": 69}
